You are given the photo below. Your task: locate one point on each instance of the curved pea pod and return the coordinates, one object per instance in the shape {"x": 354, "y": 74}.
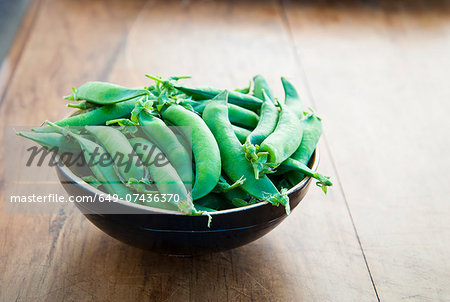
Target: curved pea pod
{"x": 94, "y": 117}
{"x": 238, "y": 116}
{"x": 279, "y": 145}
{"x": 261, "y": 85}
{"x": 312, "y": 130}
{"x": 285, "y": 138}
{"x": 266, "y": 125}
{"x": 234, "y": 163}
{"x": 99, "y": 161}
{"x": 125, "y": 158}
{"x": 207, "y": 93}
{"x": 103, "y": 93}
{"x": 104, "y": 173}
{"x": 294, "y": 165}
{"x": 160, "y": 134}
{"x": 53, "y": 141}
{"x": 241, "y": 133}
{"x": 237, "y": 98}
{"x": 291, "y": 98}
{"x": 204, "y": 147}
{"x": 163, "y": 174}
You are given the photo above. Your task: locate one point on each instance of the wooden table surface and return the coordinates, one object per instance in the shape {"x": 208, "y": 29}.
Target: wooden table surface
{"x": 376, "y": 71}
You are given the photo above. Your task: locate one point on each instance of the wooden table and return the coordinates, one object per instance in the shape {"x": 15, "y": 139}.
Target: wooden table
{"x": 376, "y": 71}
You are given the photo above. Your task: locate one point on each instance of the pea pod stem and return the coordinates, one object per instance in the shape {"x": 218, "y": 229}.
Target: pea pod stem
{"x": 266, "y": 125}
{"x": 224, "y": 186}
{"x": 295, "y": 165}
{"x": 206, "y": 93}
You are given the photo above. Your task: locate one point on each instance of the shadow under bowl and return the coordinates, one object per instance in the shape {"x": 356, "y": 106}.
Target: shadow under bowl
{"x": 174, "y": 233}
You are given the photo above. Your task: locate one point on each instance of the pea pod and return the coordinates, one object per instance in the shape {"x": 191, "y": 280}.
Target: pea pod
{"x": 312, "y": 129}
{"x": 128, "y": 163}
{"x": 163, "y": 174}
{"x": 260, "y": 85}
{"x": 100, "y": 163}
{"x": 103, "y": 93}
{"x": 204, "y": 147}
{"x": 234, "y": 162}
{"x": 160, "y": 134}
{"x": 95, "y": 117}
{"x": 207, "y": 93}
{"x": 237, "y": 98}
{"x": 285, "y": 139}
{"x": 291, "y": 98}
{"x": 53, "y": 141}
{"x": 267, "y": 122}
{"x": 294, "y": 165}
{"x": 238, "y": 116}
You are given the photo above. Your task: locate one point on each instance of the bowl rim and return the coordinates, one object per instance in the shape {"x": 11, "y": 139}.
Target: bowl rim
{"x": 75, "y": 179}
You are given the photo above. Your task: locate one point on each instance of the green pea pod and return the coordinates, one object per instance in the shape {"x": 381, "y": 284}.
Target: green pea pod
{"x": 312, "y": 130}
{"x": 234, "y": 162}
{"x": 267, "y": 122}
{"x": 291, "y": 98}
{"x": 278, "y": 146}
{"x": 207, "y": 93}
{"x": 260, "y": 85}
{"x": 241, "y": 133}
{"x": 285, "y": 139}
{"x": 204, "y": 147}
{"x": 237, "y": 98}
{"x": 53, "y": 141}
{"x": 100, "y": 163}
{"x": 160, "y": 134}
{"x": 94, "y": 117}
{"x": 126, "y": 160}
{"x": 238, "y": 116}
{"x": 294, "y": 165}
{"x": 163, "y": 175}
{"x": 103, "y": 93}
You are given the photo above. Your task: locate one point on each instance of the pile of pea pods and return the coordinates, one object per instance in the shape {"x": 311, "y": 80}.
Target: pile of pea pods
{"x": 245, "y": 146}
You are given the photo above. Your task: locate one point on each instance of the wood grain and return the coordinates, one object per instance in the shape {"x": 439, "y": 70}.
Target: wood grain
{"x": 373, "y": 70}
{"x": 378, "y": 76}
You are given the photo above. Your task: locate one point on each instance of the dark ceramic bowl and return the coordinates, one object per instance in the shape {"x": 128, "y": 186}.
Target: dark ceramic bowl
{"x": 173, "y": 233}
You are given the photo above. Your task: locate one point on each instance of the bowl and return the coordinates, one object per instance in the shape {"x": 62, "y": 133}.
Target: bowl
{"x": 173, "y": 233}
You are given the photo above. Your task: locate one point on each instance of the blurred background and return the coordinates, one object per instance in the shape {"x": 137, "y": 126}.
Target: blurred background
{"x": 376, "y": 72}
